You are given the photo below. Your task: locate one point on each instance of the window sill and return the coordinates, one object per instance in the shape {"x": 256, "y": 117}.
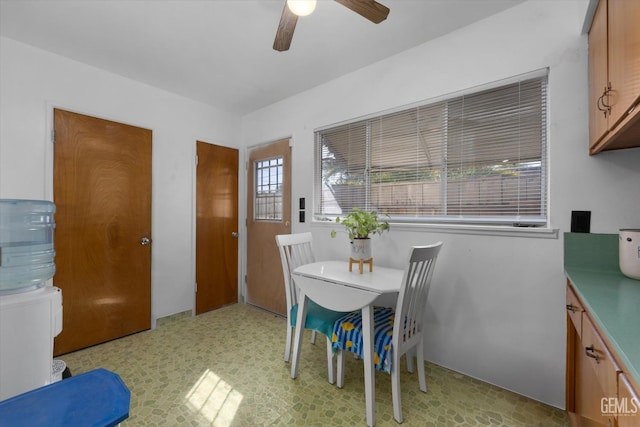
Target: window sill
{"x": 483, "y": 230}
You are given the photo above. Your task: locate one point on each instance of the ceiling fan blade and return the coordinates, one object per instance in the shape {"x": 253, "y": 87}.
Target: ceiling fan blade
{"x": 286, "y": 26}
{"x": 370, "y": 9}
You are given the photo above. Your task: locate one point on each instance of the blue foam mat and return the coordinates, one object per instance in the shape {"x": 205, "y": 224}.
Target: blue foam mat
{"x": 97, "y": 398}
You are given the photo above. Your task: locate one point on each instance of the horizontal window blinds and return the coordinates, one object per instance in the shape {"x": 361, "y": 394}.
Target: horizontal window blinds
{"x": 473, "y": 158}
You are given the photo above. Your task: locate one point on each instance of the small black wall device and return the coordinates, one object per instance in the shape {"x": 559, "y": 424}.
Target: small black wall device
{"x": 580, "y": 221}
{"x": 301, "y": 204}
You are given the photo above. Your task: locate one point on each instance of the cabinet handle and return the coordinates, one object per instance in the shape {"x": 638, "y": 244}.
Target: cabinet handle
{"x": 602, "y": 106}
{"x": 599, "y": 101}
{"x": 607, "y": 92}
{"x": 590, "y": 352}
{"x": 572, "y": 308}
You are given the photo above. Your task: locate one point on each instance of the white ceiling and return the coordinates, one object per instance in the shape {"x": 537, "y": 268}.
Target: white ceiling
{"x": 220, "y": 51}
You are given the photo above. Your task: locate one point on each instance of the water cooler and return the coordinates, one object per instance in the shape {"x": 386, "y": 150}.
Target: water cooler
{"x": 30, "y": 308}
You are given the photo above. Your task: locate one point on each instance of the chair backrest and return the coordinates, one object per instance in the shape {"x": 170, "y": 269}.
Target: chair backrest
{"x": 412, "y": 299}
{"x": 295, "y": 250}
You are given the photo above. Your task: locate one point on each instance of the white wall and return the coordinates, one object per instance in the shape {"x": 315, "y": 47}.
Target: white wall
{"x": 497, "y": 303}
{"x": 33, "y": 81}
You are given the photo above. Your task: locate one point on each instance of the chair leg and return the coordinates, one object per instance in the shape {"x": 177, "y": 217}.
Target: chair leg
{"x": 313, "y": 337}
{"x": 299, "y": 331}
{"x": 421, "y": 376}
{"x": 395, "y": 391}
{"x": 340, "y": 380}
{"x": 409, "y": 356}
{"x": 287, "y": 346}
{"x": 330, "y": 367}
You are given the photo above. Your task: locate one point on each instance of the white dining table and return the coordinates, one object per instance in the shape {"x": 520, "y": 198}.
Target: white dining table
{"x": 331, "y": 285}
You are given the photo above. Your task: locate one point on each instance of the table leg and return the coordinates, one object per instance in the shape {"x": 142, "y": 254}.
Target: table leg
{"x": 297, "y": 338}
{"x": 369, "y": 371}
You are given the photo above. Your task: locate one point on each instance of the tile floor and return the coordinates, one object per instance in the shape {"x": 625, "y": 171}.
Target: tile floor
{"x": 226, "y": 368}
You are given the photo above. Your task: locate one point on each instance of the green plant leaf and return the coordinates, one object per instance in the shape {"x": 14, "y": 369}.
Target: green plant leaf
{"x": 360, "y": 224}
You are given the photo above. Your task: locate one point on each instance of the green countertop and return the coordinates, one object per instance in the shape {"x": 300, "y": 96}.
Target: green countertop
{"x": 612, "y": 299}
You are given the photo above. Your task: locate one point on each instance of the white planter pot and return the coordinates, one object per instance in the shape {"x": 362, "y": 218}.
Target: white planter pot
{"x": 361, "y": 249}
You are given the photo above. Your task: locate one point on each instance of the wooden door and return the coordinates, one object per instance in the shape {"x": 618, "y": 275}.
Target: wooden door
{"x": 268, "y": 214}
{"x": 216, "y": 227}
{"x": 102, "y": 192}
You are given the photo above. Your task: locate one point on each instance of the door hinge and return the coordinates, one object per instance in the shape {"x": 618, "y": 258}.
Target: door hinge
{"x": 196, "y": 159}
{"x": 53, "y": 135}
{"x": 245, "y": 278}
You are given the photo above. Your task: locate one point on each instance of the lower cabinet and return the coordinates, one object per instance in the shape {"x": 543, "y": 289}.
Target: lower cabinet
{"x": 628, "y": 403}
{"x": 598, "y": 392}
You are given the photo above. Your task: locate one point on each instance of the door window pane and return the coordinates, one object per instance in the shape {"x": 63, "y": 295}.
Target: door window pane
{"x": 268, "y": 189}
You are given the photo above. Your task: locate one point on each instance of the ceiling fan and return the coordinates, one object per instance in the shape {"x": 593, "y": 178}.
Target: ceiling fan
{"x": 370, "y": 9}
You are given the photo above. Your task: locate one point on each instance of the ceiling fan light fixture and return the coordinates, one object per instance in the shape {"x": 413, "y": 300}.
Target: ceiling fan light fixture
{"x": 302, "y": 7}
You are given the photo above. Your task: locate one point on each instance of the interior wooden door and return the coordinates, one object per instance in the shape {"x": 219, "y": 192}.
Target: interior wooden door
{"x": 268, "y": 214}
{"x": 102, "y": 192}
{"x": 216, "y": 227}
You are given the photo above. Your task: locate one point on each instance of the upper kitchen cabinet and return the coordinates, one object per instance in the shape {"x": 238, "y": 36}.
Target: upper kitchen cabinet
{"x": 614, "y": 76}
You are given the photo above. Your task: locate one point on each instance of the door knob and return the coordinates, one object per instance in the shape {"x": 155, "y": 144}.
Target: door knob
{"x": 145, "y": 241}
{"x": 234, "y": 234}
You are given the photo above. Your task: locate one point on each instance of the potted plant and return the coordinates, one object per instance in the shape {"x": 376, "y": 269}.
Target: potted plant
{"x": 360, "y": 225}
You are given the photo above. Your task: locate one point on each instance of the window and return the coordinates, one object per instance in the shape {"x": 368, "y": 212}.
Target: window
{"x": 472, "y": 158}
{"x": 268, "y": 195}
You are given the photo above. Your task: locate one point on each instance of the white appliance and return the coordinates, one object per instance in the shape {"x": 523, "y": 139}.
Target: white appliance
{"x": 30, "y": 311}
{"x": 28, "y": 323}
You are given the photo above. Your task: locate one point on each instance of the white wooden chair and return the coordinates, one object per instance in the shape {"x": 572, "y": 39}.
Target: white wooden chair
{"x": 296, "y": 250}
{"x": 402, "y": 328}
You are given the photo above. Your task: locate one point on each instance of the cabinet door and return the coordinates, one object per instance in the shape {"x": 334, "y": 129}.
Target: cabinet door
{"x": 596, "y": 377}
{"x": 574, "y": 310}
{"x": 597, "y": 74}
{"x": 599, "y": 357}
{"x": 629, "y": 409}
{"x": 624, "y": 56}
{"x": 588, "y": 393}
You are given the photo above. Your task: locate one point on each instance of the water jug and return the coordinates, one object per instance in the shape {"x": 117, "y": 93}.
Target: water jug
{"x": 26, "y": 244}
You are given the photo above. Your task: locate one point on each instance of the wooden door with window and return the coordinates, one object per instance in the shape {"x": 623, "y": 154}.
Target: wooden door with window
{"x": 268, "y": 214}
{"x": 216, "y": 227}
{"x": 102, "y": 192}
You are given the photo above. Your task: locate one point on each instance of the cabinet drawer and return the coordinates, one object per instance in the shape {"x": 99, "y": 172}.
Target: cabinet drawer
{"x": 599, "y": 358}
{"x": 629, "y": 405}
{"x": 574, "y": 309}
